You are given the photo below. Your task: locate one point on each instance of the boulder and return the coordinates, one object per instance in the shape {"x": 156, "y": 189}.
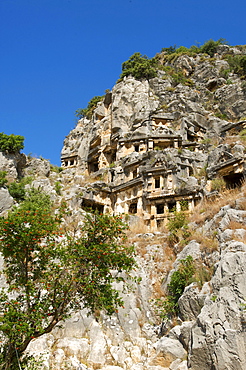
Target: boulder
{"x": 6, "y": 201}
{"x": 171, "y": 349}
{"x": 218, "y": 338}
{"x": 37, "y": 166}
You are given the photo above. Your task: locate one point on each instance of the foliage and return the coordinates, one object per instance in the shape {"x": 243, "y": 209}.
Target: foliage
{"x": 218, "y": 184}
{"x": 56, "y": 169}
{"x": 3, "y": 180}
{"x": 11, "y": 143}
{"x": 140, "y": 67}
{"x": 169, "y": 50}
{"x": 88, "y": 111}
{"x": 242, "y": 135}
{"x": 17, "y": 189}
{"x": 179, "y": 280}
{"x": 49, "y": 273}
{"x": 58, "y": 187}
{"x": 177, "y": 76}
{"x": 178, "y": 227}
{"x": 184, "y": 205}
{"x": 209, "y": 47}
{"x": 237, "y": 64}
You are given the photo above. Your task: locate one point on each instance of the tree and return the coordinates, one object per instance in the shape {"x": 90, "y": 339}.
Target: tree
{"x": 48, "y": 273}
{"x": 88, "y": 111}
{"x": 11, "y": 143}
{"x": 210, "y": 46}
{"x": 140, "y": 67}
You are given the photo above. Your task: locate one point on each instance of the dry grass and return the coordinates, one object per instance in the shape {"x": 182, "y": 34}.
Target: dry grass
{"x": 234, "y": 225}
{"x": 208, "y": 208}
{"x": 202, "y": 274}
{"x": 207, "y": 244}
{"x": 138, "y": 227}
{"x": 157, "y": 290}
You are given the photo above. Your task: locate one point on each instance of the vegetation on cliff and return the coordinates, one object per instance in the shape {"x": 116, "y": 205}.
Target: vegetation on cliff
{"x": 11, "y": 143}
{"x": 49, "y": 272}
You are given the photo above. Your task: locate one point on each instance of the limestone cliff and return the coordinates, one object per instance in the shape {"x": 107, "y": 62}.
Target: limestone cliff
{"x": 155, "y": 144}
{"x": 152, "y": 147}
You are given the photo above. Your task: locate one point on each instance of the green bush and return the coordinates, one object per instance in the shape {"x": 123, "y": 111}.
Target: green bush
{"x": 88, "y": 111}
{"x": 177, "y": 222}
{"x": 181, "y": 278}
{"x": 177, "y": 76}
{"x": 140, "y": 67}
{"x": 237, "y": 64}
{"x": 218, "y": 184}
{"x": 209, "y": 47}
{"x": 178, "y": 227}
{"x": 55, "y": 168}
{"x": 58, "y": 187}
{"x": 3, "y": 180}
{"x": 49, "y": 278}
{"x": 11, "y": 143}
{"x": 17, "y": 189}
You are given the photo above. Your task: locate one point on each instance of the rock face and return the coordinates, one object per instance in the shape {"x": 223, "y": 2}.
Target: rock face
{"x": 151, "y": 142}
{"x": 150, "y": 148}
{"x": 218, "y": 336}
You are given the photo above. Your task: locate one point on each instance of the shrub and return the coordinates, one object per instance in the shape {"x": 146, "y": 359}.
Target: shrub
{"x": 11, "y": 143}
{"x": 58, "y": 188}
{"x": 210, "y": 46}
{"x": 242, "y": 135}
{"x": 88, "y": 111}
{"x": 178, "y": 228}
{"x": 179, "y": 280}
{"x": 48, "y": 279}
{"x": 140, "y": 67}
{"x": 218, "y": 184}
{"x": 17, "y": 189}
{"x": 177, "y": 76}
{"x": 237, "y": 64}
{"x": 3, "y": 180}
{"x": 55, "y": 168}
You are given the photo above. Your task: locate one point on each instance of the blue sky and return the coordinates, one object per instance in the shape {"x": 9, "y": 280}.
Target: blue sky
{"x": 57, "y": 54}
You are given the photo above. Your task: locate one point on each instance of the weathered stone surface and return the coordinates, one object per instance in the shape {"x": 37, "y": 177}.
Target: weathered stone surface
{"x": 6, "y": 201}
{"x": 221, "y": 320}
{"x": 192, "y": 301}
{"x": 147, "y": 149}
{"x": 45, "y": 186}
{"x": 37, "y": 166}
{"x": 12, "y": 164}
{"x": 171, "y": 349}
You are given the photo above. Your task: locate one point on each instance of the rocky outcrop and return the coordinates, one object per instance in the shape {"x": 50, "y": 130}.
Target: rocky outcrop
{"x": 150, "y": 148}
{"x": 218, "y": 336}
{"x": 6, "y": 201}
{"x": 12, "y": 164}
{"x": 150, "y": 140}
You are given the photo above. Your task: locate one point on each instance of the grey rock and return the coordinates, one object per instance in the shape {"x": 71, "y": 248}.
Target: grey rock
{"x": 171, "y": 349}
{"x": 37, "y": 166}
{"x": 13, "y": 164}
{"x": 6, "y": 201}
{"x": 192, "y": 301}
{"x": 213, "y": 342}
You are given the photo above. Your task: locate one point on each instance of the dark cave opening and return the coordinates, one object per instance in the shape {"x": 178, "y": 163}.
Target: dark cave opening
{"x": 234, "y": 180}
